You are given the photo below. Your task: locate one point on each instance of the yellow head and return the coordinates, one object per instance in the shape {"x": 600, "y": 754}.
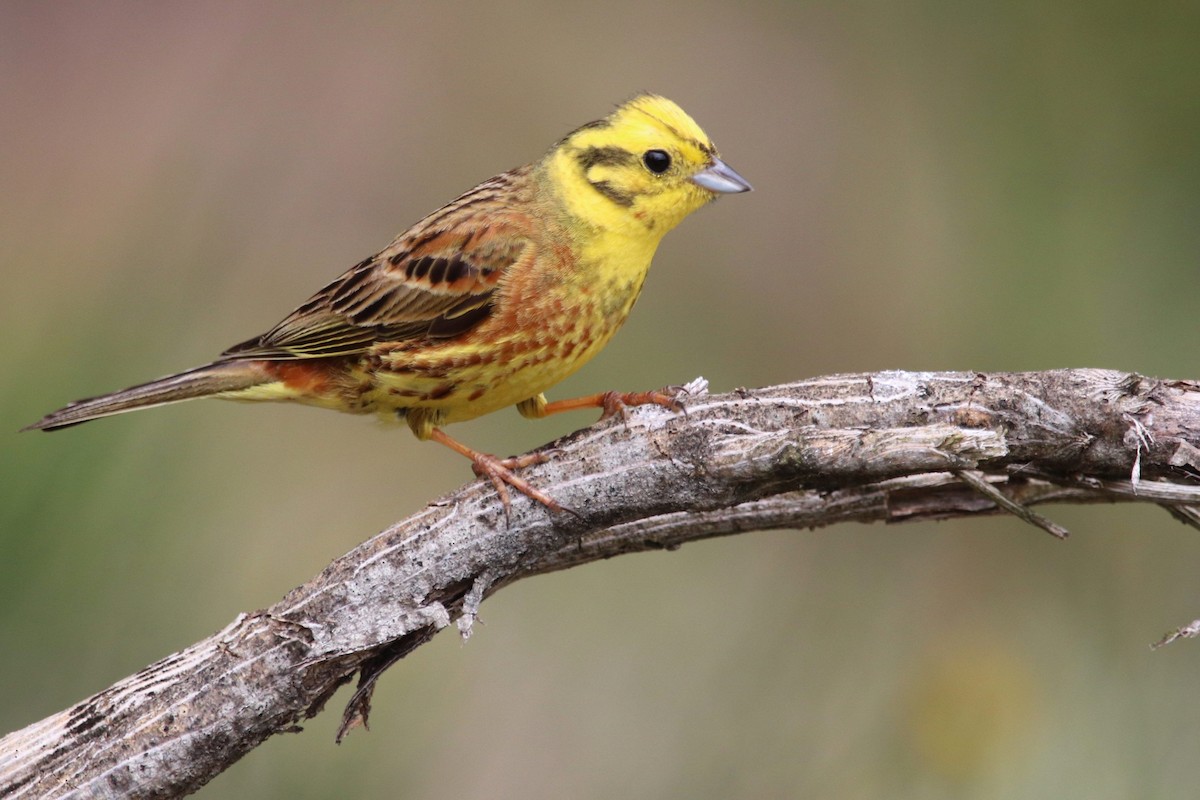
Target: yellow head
{"x": 641, "y": 169}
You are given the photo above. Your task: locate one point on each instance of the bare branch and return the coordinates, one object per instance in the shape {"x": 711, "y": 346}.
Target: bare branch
{"x": 883, "y": 447}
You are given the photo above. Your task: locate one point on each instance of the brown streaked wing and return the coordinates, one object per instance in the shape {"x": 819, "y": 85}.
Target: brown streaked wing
{"x": 435, "y": 283}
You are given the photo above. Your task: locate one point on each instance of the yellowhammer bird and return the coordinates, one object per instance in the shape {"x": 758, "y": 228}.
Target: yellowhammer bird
{"x": 486, "y": 302}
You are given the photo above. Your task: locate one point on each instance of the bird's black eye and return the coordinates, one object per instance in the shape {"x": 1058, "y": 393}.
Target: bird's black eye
{"x": 657, "y": 161}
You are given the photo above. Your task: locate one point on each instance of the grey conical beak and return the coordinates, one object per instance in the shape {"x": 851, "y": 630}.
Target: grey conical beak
{"x": 721, "y": 178}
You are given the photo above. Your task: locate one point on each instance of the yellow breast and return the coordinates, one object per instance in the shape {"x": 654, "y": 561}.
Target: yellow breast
{"x": 549, "y": 323}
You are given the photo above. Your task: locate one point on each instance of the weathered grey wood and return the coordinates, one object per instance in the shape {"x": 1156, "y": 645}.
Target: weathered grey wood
{"x": 888, "y": 446}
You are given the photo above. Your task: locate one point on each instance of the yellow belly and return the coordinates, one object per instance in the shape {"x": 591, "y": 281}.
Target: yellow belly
{"x": 537, "y": 341}
{"x": 465, "y": 380}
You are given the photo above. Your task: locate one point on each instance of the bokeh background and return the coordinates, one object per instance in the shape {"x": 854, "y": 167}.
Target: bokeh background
{"x": 939, "y": 185}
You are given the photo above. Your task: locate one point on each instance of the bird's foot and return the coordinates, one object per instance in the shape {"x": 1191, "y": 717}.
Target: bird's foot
{"x": 613, "y": 403}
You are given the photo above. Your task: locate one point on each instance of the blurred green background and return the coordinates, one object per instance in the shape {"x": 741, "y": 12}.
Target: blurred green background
{"x": 939, "y": 185}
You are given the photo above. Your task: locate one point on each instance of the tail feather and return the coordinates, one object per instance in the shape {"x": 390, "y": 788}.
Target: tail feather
{"x": 210, "y": 379}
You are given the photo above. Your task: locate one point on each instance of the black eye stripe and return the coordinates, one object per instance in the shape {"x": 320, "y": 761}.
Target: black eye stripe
{"x": 657, "y": 161}
{"x": 604, "y": 157}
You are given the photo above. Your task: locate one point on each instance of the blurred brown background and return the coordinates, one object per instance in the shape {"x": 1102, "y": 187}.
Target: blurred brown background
{"x": 940, "y": 185}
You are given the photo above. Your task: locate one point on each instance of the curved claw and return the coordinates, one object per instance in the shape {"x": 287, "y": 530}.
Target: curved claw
{"x": 613, "y": 403}
{"x": 500, "y": 472}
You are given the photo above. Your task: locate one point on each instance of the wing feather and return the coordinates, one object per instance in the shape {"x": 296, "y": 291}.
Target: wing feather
{"x": 437, "y": 280}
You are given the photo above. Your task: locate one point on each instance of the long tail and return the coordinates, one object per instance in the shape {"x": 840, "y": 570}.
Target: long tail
{"x": 211, "y": 379}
